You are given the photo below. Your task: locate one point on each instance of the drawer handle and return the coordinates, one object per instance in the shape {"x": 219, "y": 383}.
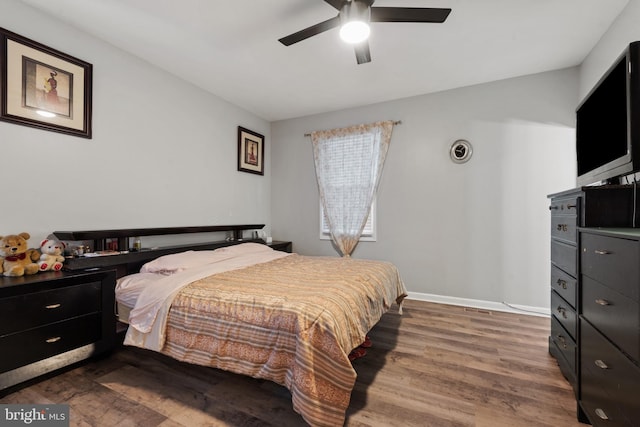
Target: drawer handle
{"x": 600, "y": 364}
{"x": 600, "y": 252}
{"x": 601, "y": 414}
{"x": 562, "y": 227}
{"x": 562, "y": 341}
{"x": 562, "y": 283}
{"x": 561, "y": 207}
{"x": 53, "y": 339}
{"x": 603, "y": 302}
{"x": 562, "y": 311}
{"x": 52, "y": 306}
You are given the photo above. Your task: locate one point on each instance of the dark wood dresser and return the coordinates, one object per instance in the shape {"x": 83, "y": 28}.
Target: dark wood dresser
{"x": 54, "y": 319}
{"x": 574, "y": 213}
{"x": 565, "y": 210}
{"x": 610, "y": 326}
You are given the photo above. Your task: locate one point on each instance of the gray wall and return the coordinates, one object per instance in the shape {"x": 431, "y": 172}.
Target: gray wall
{"x": 624, "y": 30}
{"x": 164, "y": 153}
{"x": 473, "y": 233}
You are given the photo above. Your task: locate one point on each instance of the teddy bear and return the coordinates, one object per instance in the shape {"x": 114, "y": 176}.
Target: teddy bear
{"x": 51, "y": 258}
{"x": 17, "y": 258}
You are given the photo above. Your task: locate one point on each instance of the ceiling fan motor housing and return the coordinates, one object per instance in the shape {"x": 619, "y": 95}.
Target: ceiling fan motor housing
{"x": 355, "y": 11}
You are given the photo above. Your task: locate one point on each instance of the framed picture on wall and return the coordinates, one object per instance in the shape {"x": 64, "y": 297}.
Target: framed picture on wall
{"x": 250, "y": 151}
{"x": 44, "y": 88}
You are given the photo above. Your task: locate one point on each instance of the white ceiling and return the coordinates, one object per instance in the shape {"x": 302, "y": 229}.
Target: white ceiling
{"x": 230, "y": 48}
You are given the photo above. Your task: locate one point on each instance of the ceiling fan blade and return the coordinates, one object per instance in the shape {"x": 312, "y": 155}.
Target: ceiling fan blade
{"x": 362, "y": 52}
{"x": 409, "y": 14}
{"x": 337, "y": 4}
{"x": 310, "y": 31}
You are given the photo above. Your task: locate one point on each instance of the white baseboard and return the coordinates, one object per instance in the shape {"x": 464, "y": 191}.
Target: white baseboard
{"x": 481, "y": 304}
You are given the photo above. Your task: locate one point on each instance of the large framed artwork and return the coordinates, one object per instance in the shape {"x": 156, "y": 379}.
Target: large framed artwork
{"x": 44, "y": 88}
{"x": 250, "y": 151}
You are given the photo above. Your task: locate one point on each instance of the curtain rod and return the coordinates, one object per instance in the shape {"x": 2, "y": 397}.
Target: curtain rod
{"x": 397, "y": 122}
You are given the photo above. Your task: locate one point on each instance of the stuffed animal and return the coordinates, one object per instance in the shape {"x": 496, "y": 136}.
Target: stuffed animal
{"x": 51, "y": 258}
{"x": 17, "y": 258}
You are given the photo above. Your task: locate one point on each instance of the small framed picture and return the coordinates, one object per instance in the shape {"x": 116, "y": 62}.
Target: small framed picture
{"x": 44, "y": 88}
{"x": 250, "y": 151}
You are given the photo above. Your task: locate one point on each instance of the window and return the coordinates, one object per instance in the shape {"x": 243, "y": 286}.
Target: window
{"x": 368, "y": 233}
{"x": 348, "y": 165}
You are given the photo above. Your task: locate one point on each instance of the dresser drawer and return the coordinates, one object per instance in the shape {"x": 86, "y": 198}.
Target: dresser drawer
{"x": 613, "y": 314}
{"x": 564, "y": 284}
{"x": 563, "y": 364}
{"x": 600, "y": 408}
{"x": 564, "y": 256}
{"x": 22, "y": 348}
{"x": 565, "y": 314}
{"x": 564, "y": 343}
{"x": 565, "y": 227}
{"x": 612, "y": 261}
{"x": 564, "y": 206}
{"x": 609, "y": 380}
{"x": 31, "y": 310}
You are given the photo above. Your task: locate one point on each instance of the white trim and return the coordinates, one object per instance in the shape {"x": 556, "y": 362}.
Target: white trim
{"x": 369, "y": 232}
{"x": 482, "y": 304}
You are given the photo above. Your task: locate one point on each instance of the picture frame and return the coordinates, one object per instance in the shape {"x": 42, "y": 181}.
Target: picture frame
{"x": 250, "y": 151}
{"x": 44, "y": 88}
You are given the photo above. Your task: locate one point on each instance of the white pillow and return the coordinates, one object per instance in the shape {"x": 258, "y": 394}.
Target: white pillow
{"x": 244, "y": 248}
{"x": 174, "y": 263}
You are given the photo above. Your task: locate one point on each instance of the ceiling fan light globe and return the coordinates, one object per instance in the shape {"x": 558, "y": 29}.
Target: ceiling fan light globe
{"x": 355, "y": 32}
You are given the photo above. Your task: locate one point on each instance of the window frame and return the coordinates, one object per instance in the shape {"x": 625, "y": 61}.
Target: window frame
{"x": 369, "y": 233}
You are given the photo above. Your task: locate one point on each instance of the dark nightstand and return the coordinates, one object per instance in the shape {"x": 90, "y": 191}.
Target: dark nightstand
{"x": 54, "y": 319}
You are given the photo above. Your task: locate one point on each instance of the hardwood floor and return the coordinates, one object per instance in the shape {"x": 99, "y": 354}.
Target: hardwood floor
{"x": 436, "y": 365}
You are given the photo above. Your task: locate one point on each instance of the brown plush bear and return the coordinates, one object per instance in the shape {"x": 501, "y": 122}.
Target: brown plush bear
{"x": 17, "y": 258}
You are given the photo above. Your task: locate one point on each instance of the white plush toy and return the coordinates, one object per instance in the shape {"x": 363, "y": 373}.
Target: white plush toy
{"x": 51, "y": 258}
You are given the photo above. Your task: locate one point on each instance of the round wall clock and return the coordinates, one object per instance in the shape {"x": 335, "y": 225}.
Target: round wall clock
{"x": 460, "y": 151}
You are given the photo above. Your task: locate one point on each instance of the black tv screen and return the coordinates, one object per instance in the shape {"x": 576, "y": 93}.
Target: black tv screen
{"x": 602, "y": 122}
{"x": 605, "y": 123}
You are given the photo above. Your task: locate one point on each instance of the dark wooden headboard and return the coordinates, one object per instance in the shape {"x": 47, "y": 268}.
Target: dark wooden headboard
{"x": 131, "y": 262}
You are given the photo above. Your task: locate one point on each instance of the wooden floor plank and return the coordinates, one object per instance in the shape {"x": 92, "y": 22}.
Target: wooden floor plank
{"x": 436, "y": 365}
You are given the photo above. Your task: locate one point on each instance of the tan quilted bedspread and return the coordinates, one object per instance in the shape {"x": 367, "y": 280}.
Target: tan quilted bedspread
{"x": 292, "y": 321}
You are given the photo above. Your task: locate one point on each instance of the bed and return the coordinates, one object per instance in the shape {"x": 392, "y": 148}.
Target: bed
{"x": 254, "y": 311}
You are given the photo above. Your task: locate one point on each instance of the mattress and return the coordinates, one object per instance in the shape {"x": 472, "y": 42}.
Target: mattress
{"x": 122, "y": 311}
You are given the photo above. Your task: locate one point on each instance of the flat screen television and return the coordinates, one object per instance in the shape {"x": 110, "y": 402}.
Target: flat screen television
{"x": 608, "y": 123}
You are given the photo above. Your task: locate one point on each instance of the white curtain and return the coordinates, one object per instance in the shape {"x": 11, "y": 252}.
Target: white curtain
{"x": 349, "y": 164}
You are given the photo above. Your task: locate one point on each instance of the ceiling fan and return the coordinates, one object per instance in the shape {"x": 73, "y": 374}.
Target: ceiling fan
{"x": 354, "y": 17}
